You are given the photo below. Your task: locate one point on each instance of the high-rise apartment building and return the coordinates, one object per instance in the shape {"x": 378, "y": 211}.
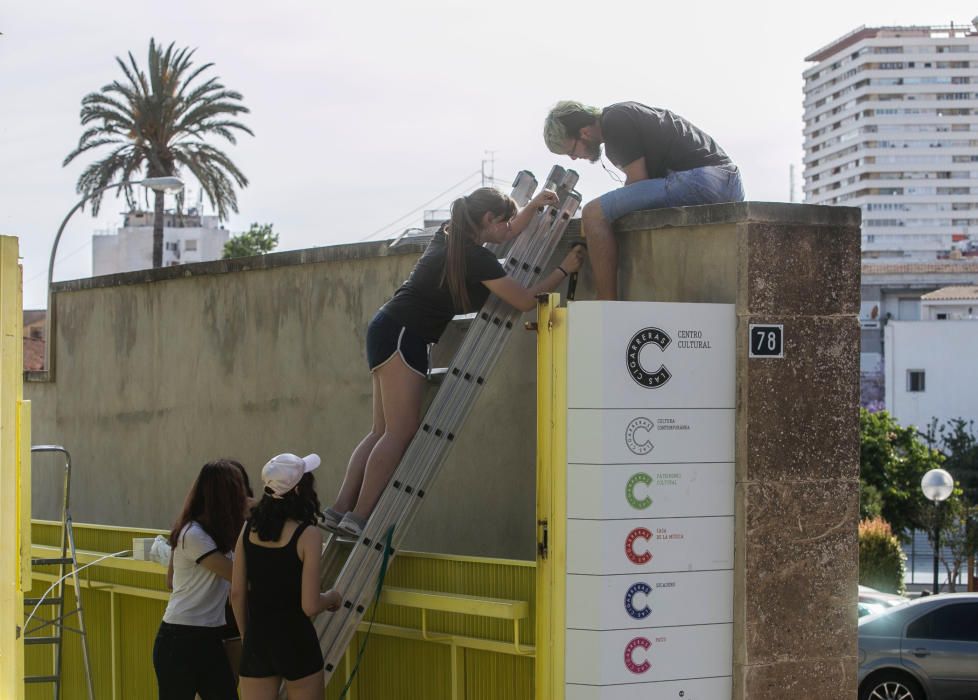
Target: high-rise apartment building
{"x": 891, "y": 126}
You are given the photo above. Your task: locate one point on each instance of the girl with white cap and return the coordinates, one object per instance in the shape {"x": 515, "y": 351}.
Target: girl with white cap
{"x": 275, "y": 585}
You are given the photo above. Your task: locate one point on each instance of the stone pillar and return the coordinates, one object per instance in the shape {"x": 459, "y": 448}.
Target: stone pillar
{"x": 797, "y": 490}
{"x": 797, "y": 493}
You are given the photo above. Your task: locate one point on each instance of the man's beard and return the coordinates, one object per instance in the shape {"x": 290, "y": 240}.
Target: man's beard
{"x": 593, "y": 151}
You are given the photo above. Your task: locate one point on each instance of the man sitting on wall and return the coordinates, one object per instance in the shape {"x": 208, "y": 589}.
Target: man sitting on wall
{"x": 667, "y": 162}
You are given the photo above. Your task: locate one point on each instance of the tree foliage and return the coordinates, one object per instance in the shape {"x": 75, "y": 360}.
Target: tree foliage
{"x": 881, "y": 560}
{"x": 892, "y": 461}
{"x": 257, "y": 240}
{"x": 155, "y": 123}
{"x": 958, "y": 441}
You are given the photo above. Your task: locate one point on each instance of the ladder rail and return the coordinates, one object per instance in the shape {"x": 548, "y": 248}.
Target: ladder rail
{"x": 478, "y": 354}
{"x": 67, "y": 565}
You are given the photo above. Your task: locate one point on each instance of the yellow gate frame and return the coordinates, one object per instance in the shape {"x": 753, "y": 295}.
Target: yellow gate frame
{"x": 15, "y": 479}
{"x": 551, "y": 612}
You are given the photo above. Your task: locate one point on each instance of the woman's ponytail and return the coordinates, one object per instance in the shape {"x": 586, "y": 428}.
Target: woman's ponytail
{"x": 461, "y": 227}
{"x": 467, "y": 215}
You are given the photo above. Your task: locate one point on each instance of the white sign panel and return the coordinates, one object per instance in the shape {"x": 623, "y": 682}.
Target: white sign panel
{"x": 650, "y": 501}
{"x": 720, "y": 688}
{"x": 632, "y": 656}
{"x": 650, "y": 436}
{"x": 650, "y": 600}
{"x": 663, "y": 544}
{"x": 647, "y": 355}
{"x": 623, "y": 491}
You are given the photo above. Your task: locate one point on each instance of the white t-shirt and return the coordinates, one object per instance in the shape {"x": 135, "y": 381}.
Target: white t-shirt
{"x": 199, "y": 595}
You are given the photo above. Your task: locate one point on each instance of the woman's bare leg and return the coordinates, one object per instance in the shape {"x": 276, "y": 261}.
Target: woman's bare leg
{"x": 260, "y": 688}
{"x": 402, "y": 394}
{"x": 350, "y": 490}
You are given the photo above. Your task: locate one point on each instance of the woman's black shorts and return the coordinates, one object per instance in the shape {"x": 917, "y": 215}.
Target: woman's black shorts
{"x": 287, "y": 647}
{"x": 387, "y": 337}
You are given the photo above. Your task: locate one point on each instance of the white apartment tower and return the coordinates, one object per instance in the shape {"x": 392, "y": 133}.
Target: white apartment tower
{"x": 891, "y": 126}
{"x": 187, "y": 238}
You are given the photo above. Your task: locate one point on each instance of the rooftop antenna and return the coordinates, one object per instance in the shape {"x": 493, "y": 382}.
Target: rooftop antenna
{"x": 489, "y": 175}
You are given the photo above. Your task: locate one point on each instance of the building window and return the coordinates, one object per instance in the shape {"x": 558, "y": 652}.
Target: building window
{"x": 941, "y": 317}
{"x": 190, "y": 244}
{"x": 915, "y": 380}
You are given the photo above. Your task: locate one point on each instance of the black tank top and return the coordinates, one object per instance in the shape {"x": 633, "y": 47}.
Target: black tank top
{"x": 274, "y": 577}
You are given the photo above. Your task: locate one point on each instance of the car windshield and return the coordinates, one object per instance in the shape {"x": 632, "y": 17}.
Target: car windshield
{"x": 882, "y": 623}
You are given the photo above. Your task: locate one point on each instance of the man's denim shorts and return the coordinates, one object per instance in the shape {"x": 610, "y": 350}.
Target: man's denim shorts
{"x": 710, "y": 185}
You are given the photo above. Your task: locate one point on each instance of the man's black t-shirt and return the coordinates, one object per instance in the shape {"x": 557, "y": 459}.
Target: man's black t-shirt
{"x": 424, "y": 305}
{"x": 668, "y": 142}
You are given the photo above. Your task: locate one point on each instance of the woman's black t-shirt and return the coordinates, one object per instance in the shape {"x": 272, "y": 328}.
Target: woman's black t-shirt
{"x": 424, "y": 305}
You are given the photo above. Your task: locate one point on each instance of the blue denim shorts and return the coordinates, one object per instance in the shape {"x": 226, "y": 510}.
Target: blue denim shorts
{"x": 686, "y": 188}
{"x": 387, "y": 337}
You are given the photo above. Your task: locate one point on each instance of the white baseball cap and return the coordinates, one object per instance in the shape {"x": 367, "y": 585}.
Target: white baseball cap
{"x": 283, "y": 472}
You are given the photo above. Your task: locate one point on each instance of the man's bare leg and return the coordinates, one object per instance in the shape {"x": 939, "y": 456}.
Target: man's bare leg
{"x": 602, "y": 250}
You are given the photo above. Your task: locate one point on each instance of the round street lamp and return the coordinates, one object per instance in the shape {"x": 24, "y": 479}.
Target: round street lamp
{"x": 937, "y": 486}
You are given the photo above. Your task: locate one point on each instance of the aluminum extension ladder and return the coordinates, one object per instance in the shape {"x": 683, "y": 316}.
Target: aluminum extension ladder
{"x": 58, "y": 621}
{"x": 463, "y": 380}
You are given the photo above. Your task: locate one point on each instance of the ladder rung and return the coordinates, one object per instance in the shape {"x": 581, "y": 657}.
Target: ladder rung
{"x": 464, "y": 320}
{"x": 436, "y": 375}
{"x": 41, "y": 679}
{"x": 42, "y": 640}
{"x": 40, "y": 561}
{"x": 43, "y": 601}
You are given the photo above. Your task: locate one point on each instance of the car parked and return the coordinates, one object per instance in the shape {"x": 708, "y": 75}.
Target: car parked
{"x": 926, "y": 649}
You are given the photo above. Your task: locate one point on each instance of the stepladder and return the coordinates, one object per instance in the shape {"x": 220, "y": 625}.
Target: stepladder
{"x": 485, "y": 336}
{"x": 49, "y": 617}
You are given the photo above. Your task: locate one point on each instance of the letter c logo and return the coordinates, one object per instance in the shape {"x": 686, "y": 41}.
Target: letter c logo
{"x": 636, "y": 534}
{"x": 635, "y": 480}
{"x": 633, "y": 612}
{"x": 630, "y": 652}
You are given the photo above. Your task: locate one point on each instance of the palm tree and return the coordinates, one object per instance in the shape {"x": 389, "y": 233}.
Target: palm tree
{"x": 158, "y": 121}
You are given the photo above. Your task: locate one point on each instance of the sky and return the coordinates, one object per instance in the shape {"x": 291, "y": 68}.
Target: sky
{"x": 363, "y": 112}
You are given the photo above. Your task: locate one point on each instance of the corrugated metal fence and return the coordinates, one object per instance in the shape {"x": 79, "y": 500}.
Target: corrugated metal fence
{"x": 466, "y": 656}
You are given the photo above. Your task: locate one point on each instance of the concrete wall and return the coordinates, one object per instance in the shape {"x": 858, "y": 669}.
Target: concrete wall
{"x": 157, "y": 372}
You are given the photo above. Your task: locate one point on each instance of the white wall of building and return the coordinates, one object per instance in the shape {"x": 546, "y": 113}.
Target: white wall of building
{"x": 132, "y": 247}
{"x": 890, "y": 127}
{"x": 950, "y": 310}
{"x": 945, "y": 351}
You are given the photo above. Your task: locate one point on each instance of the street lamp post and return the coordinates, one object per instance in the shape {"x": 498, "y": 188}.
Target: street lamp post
{"x": 937, "y": 486}
{"x": 158, "y": 184}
